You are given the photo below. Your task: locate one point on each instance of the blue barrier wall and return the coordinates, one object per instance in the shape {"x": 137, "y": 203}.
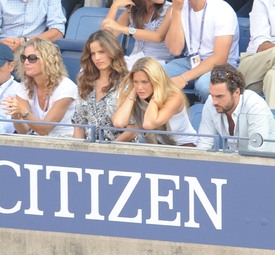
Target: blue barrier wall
{"x": 136, "y": 196}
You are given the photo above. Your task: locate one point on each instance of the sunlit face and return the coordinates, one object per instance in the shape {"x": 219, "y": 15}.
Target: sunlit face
{"x": 223, "y": 100}
{"x": 5, "y": 71}
{"x": 99, "y": 56}
{"x": 143, "y": 85}
{"x": 33, "y": 69}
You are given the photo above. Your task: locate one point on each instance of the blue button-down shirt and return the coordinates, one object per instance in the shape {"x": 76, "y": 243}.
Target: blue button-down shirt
{"x": 19, "y": 18}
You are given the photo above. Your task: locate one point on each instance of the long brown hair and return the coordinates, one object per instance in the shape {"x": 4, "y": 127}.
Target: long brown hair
{"x": 139, "y": 11}
{"x": 89, "y": 72}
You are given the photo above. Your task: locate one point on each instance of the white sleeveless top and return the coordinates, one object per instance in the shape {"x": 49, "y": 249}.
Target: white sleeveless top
{"x": 181, "y": 123}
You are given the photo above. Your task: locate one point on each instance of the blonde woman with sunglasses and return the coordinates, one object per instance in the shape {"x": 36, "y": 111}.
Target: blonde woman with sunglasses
{"x": 46, "y": 94}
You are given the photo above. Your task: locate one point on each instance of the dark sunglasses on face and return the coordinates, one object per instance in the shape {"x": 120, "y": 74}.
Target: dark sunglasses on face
{"x": 32, "y": 58}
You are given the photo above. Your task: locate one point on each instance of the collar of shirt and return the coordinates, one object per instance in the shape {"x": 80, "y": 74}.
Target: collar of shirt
{"x": 5, "y": 85}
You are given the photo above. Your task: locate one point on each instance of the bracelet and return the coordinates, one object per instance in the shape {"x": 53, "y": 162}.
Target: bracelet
{"x": 131, "y": 98}
{"x": 25, "y": 115}
{"x": 182, "y": 76}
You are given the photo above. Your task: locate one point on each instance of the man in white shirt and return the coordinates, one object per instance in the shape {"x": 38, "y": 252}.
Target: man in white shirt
{"x": 258, "y": 63}
{"x": 230, "y": 110}
{"x": 209, "y": 31}
{"x": 8, "y": 85}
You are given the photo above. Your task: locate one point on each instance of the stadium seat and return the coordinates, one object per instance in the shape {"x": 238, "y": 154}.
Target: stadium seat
{"x": 82, "y": 23}
{"x": 195, "y": 113}
{"x": 244, "y": 26}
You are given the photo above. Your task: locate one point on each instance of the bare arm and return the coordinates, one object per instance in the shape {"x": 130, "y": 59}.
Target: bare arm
{"x": 265, "y": 46}
{"x": 51, "y": 34}
{"x": 121, "y": 26}
{"x": 175, "y": 38}
{"x": 14, "y": 43}
{"x": 220, "y": 55}
{"x": 21, "y": 106}
{"x": 79, "y": 133}
{"x": 155, "y": 117}
{"x": 123, "y": 113}
{"x": 127, "y": 136}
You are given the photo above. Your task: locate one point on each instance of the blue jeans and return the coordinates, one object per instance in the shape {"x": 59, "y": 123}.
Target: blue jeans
{"x": 200, "y": 85}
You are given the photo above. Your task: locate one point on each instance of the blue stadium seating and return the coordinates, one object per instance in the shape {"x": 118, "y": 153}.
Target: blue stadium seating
{"x": 82, "y": 23}
{"x": 244, "y": 26}
{"x": 195, "y": 113}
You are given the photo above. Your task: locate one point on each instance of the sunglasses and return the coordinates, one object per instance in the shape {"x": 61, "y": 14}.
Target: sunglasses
{"x": 32, "y": 58}
{"x": 221, "y": 74}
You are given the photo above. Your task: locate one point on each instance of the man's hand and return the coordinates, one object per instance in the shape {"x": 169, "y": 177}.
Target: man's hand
{"x": 179, "y": 81}
{"x": 13, "y": 43}
{"x": 265, "y": 46}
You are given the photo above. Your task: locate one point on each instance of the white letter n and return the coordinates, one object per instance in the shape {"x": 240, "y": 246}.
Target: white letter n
{"x": 195, "y": 187}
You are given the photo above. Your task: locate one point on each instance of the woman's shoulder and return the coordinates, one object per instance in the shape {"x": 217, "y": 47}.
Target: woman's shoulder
{"x": 66, "y": 81}
{"x": 66, "y": 87}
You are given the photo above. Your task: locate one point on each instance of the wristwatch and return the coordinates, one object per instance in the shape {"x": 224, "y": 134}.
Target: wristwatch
{"x": 132, "y": 30}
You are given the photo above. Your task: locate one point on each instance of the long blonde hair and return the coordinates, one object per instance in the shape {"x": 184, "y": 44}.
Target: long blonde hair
{"x": 163, "y": 88}
{"x": 53, "y": 67}
{"x": 162, "y": 84}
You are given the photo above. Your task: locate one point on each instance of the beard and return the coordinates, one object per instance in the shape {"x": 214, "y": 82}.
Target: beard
{"x": 228, "y": 107}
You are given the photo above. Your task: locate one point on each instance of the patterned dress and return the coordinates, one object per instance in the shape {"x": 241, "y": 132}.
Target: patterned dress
{"x": 97, "y": 113}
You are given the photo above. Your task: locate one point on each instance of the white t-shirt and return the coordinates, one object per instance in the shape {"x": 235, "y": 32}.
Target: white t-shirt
{"x": 181, "y": 123}
{"x": 219, "y": 20}
{"x": 66, "y": 89}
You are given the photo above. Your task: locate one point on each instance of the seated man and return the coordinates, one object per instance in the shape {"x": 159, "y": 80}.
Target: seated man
{"x": 258, "y": 63}
{"x": 230, "y": 110}
{"x": 8, "y": 86}
{"x": 25, "y": 19}
{"x": 211, "y": 32}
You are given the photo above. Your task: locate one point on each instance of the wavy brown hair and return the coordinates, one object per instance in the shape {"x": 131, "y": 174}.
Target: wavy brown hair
{"x": 89, "y": 72}
{"x": 139, "y": 11}
{"x": 52, "y": 63}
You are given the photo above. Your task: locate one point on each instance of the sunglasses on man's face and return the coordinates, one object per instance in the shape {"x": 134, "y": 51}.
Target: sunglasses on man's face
{"x": 32, "y": 58}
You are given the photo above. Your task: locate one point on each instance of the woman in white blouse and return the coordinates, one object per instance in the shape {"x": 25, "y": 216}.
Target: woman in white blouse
{"x": 46, "y": 94}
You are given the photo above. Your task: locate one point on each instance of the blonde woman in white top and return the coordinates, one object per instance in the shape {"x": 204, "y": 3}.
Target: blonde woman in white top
{"x": 46, "y": 94}
{"x": 149, "y": 97}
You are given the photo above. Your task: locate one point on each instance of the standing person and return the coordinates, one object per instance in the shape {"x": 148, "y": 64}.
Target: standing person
{"x": 23, "y": 20}
{"x": 154, "y": 102}
{"x": 230, "y": 110}
{"x": 8, "y": 86}
{"x": 103, "y": 69}
{"x": 46, "y": 94}
{"x": 258, "y": 63}
{"x": 209, "y": 31}
{"x": 145, "y": 20}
